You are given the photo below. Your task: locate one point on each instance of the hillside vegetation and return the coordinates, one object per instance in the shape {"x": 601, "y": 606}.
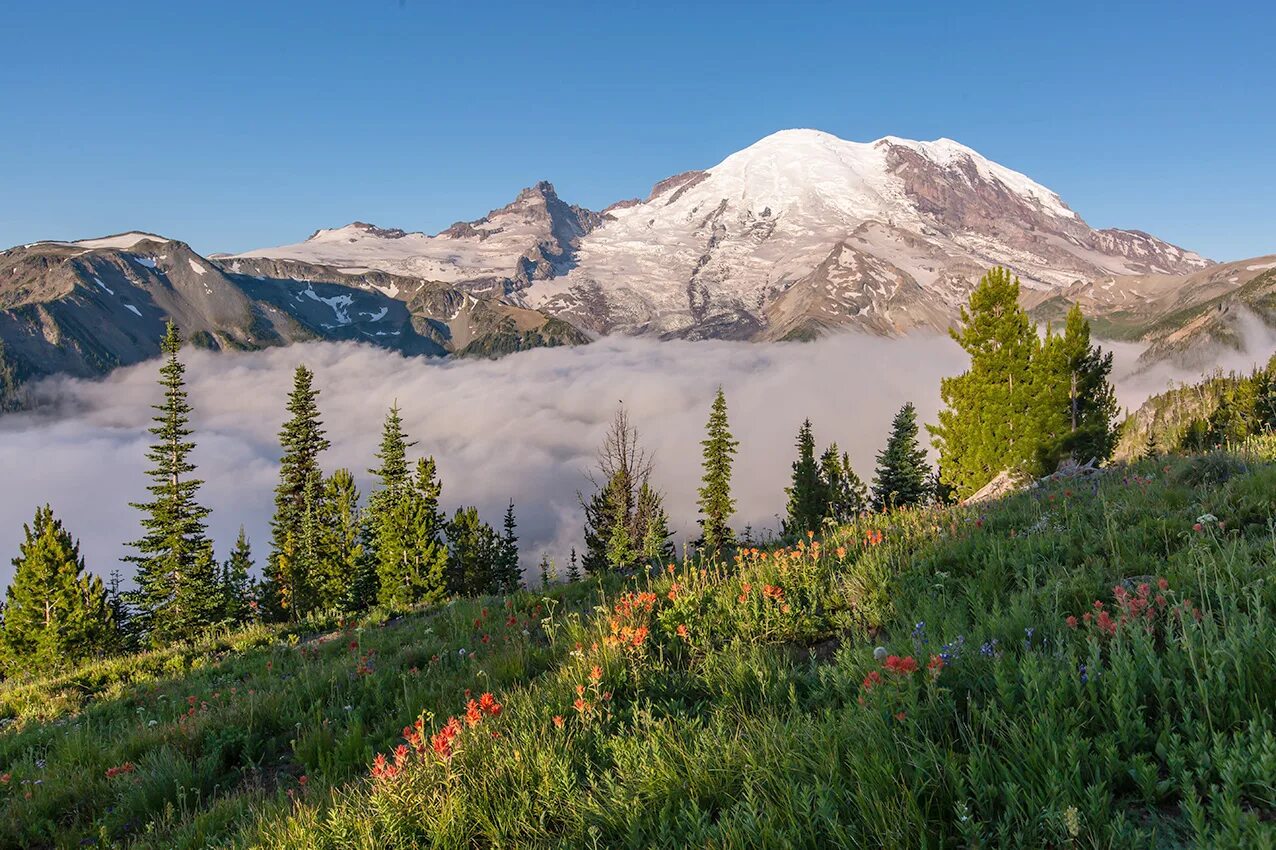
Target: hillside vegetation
{"x": 1085, "y": 664}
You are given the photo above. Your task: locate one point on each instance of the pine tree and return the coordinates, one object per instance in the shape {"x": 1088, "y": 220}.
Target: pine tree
{"x": 650, "y": 516}
{"x": 55, "y": 613}
{"x": 625, "y": 507}
{"x": 126, "y": 637}
{"x": 237, "y": 585}
{"x": 544, "y": 570}
{"x": 807, "y": 498}
{"x": 171, "y": 556}
{"x": 294, "y": 552}
{"x": 902, "y": 472}
{"x": 716, "y": 504}
{"x": 1077, "y": 406}
{"x": 573, "y": 572}
{"x": 990, "y": 424}
{"x": 393, "y": 454}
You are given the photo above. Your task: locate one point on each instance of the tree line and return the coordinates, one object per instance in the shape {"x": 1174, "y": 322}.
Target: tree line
{"x": 1027, "y": 400}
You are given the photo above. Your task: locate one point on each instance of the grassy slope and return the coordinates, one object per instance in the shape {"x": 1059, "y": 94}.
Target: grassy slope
{"x": 759, "y": 725}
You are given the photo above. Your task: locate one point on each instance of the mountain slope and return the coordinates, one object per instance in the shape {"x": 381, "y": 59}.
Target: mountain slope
{"x": 84, "y": 308}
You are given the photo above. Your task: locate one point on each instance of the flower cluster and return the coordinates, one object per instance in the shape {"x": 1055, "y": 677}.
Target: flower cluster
{"x": 1141, "y": 608}
{"x": 127, "y": 767}
{"x": 443, "y": 743}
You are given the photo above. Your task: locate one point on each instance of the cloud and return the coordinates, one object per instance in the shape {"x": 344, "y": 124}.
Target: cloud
{"x": 524, "y": 427}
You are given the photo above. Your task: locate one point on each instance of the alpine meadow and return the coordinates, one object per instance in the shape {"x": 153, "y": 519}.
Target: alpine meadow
{"x": 750, "y": 486}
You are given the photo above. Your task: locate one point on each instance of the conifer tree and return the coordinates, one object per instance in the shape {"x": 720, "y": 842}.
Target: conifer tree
{"x": 411, "y": 556}
{"x": 474, "y": 550}
{"x": 902, "y": 472}
{"x": 294, "y": 529}
{"x": 807, "y": 498}
{"x": 1076, "y": 404}
{"x": 172, "y": 556}
{"x": 126, "y": 637}
{"x": 847, "y": 496}
{"x": 544, "y": 570}
{"x": 509, "y": 575}
{"x": 990, "y": 423}
{"x": 237, "y": 585}
{"x": 625, "y": 507}
{"x": 55, "y": 613}
{"x": 650, "y": 516}
{"x": 716, "y": 504}
{"x": 573, "y": 572}
{"x": 341, "y": 550}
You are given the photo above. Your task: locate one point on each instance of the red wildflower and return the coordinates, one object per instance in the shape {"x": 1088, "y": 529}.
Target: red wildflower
{"x": 682, "y": 631}
{"x": 1162, "y": 584}
{"x": 489, "y": 705}
{"x": 903, "y": 666}
{"x": 872, "y": 680}
{"x": 473, "y": 714}
{"x": 935, "y": 666}
{"x": 558, "y": 720}
{"x": 302, "y": 780}
{"x": 1071, "y": 621}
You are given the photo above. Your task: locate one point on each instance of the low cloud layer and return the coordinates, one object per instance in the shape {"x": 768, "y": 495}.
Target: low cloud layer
{"x": 524, "y": 427}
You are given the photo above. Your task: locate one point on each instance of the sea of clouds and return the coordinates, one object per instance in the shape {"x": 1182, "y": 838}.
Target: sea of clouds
{"x": 524, "y": 427}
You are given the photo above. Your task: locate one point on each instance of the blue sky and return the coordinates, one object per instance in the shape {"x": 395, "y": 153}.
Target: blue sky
{"x": 234, "y": 125}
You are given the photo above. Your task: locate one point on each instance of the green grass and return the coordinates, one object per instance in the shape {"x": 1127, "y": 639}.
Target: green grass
{"x": 736, "y": 705}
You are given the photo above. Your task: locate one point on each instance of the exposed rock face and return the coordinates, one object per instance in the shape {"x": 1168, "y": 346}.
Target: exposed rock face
{"x": 85, "y": 308}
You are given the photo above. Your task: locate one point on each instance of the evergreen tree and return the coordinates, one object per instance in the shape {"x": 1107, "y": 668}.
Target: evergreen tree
{"x": 716, "y": 504}
{"x": 807, "y": 497}
{"x": 410, "y": 553}
{"x": 650, "y": 516}
{"x": 341, "y": 550}
{"x": 902, "y": 478}
{"x": 847, "y": 495}
{"x": 544, "y": 568}
{"x": 991, "y": 421}
{"x": 509, "y": 574}
{"x": 294, "y": 545}
{"x": 474, "y": 551}
{"x": 393, "y": 454}
{"x": 1079, "y": 410}
{"x": 126, "y": 637}
{"x": 172, "y": 555}
{"x": 237, "y": 584}
{"x": 55, "y": 613}
{"x": 573, "y": 572}
{"x": 625, "y": 511}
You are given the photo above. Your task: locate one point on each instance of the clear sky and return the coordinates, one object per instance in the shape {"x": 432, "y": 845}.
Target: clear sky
{"x": 234, "y": 125}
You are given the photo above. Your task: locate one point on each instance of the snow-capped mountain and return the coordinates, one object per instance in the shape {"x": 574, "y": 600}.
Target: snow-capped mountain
{"x": 534, "y": 237}
{"x": 796, "y": 234}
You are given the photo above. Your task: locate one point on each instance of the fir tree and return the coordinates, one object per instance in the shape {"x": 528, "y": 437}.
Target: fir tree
{"x": 716, "y": 504}
{"x": 573, "y": 572}
{"x": 847, "y": 496}
{"x": 625, "y": 508}
{"x": 411, "y": 556}
{"x": 474, "y": 550}
{"x": 172, "y": 555}
{"x": 121, "y": 615}
{"x": 1077, "y": 406}
{"x": 902, "y": 472}
{"x": 237, "y": 585}
{"x": 650, "y": 516}
{"x": 544, "y": 570}
{"x": 509, "y": 575}
{"x": 990, "y": 423}
{"x": 807, "y": 498}
{"x": 341, "y": 551}
{"x": 55, "y": 613}
{"x": 294, "y": 551}
{"x": 393, "y": 454}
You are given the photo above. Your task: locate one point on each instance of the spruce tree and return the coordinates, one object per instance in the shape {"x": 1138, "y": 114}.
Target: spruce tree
{"x": 625, "y": 509}
{"x": 902, "y": 472}
{"x": 1092, "y": 408}
{"x": 807, "y": 498}
{"x": 573, "y": 572}
{"x": 237, "y": 584}
{"x": 716, "y": 504}
{"x": 650, "y": 517}
{"x": 171, "y": 557}
{"x": 544, "y": 570}
{"x": 990, "y": 422}
{"x": 55, "y": 613}
{"x": 294, "y": 552}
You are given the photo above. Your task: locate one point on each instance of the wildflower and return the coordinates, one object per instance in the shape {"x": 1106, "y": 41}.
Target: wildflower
{"x": 682, "y": 631}
{"x": 935, "y": 666}
{"x": 872, "y": 680}
{"x": 558, "y": 721}
{"x": 303, "y": 779}
{"x": 473, "y": 714}
{"x": 1072, "y": 820}
{"x": 903, "y": 666}
{"x": 1071, "y": 621}
{"x": 1197, "y": 527}
{"x": 596, "y": 673}
{"x": 899, "y": 715}
{"x": 489, "y": 705}
{"x": 6, "y": 778}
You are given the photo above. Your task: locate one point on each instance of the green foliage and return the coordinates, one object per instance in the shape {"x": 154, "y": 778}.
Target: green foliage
{"x": 296, "y": 556}
{"x": 175, "y": 575}
{"x": 846, "y": 493}
{"x": 55, "y": 613}
{"x": 808, "y": 500}
{"x": 237, "y": 598}
{"x": 902, "y": 479}
{"x": 1025, "y": 403}
{"x": 474, "y": 555}
{"x": 716, "y": 504}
